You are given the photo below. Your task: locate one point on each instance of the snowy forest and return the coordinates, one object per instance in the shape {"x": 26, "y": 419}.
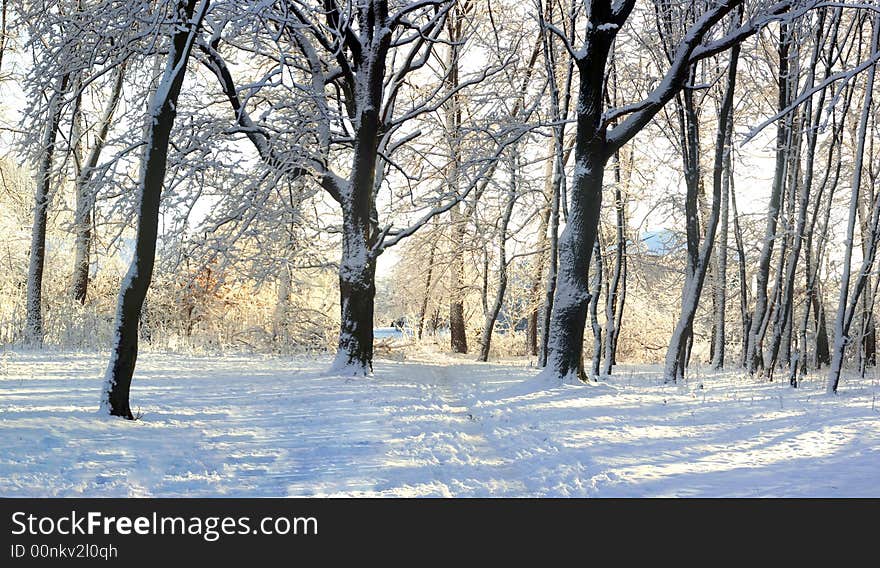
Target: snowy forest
{"x": 493, "y": 221}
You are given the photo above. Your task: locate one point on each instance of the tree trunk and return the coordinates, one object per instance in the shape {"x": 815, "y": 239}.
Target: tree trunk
{"x": 541, "y": 257}
{"x": 33, "y": 331}
{"x": 570, "y": 302}
{"x": 720, "y": 328}
{"x": 115, "y": 398}
{"x": 453, "y": 118}
{"x": 812, "y": 124}
{"x": 745, "y": 313}
{"x": 594, "y": 145}
{"x": 848, "y": 303}
{"x": 558, "y": 110}
{"x": 754, "y": 355}
{"x": 357, "y": 293}
{"x": 678, "y": 354}
{"x": 357, "y": 267}
{"x": 595, "y": 292}
{"x": 572, "y": 292}
{"x": 423, "y": 309}
{"x": 85, "y": 198}
{"x": 492, "y": 314}
{"x": 613, "y": 302}
{"x": 457, "y": 330}
{"x": 688, "y": 124}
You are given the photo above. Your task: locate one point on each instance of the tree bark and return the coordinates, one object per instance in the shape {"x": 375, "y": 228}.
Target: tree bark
{"x": 614, "y": 298}
{"x": 492, "y": 314}
{"x": 115, "y": 398}
{"x": 754, "y": 354}
{"x": 33, "y": 331}
{"x": 745, "y": 313}
{"x": 812, "y": 123}
{"x": 541, "y": 258}
{"x": 720, "y": 328}
{"x": 85, "y": 198}
{"x": 848, "y": 303}
{"x": 677, "y": 357}
{"x": 595, "y": 292}
{"x": 423, "y": 309}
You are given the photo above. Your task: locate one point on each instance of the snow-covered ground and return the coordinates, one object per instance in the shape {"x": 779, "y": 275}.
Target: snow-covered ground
{"x": 261, "y": 426}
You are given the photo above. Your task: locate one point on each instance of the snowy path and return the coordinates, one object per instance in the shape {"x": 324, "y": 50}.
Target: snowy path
{"x": 262, "y": 426}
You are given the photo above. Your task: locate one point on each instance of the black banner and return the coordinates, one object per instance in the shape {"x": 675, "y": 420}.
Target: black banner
{"x": 230, "y": 531}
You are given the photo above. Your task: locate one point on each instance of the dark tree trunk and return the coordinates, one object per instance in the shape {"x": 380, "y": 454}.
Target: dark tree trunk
{"x": 453, "y": 117}
{"x": 614, "y": 298}
{"x": 357, "y": 293}
{"x": 115, "y": 398}
{"x": 620, "y": 308}
{"x": 869, "y": 343}
{"x": 33, "y": 331}
{"x": 823, "y": 346}
{"x": 357, "y": 269}
{"x": 816, "y": 240}
{"x": 591, "y": 153}
{"x": 572, "y": 292}
{"x": 689, "y": 140}
{"x": 457, "y": 330}
{"x": 783, "y": 329}
{"x": 558, "y": 109}
{"x": 743, "y": 287}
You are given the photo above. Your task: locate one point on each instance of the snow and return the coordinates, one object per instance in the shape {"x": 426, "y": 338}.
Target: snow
{"x": 428, "y": 426}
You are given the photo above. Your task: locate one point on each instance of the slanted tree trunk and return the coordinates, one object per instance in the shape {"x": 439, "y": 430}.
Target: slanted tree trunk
{"x": 85, "y": 195}
{"x": 678, "y": 353}
{"x": 492, "y": 314}
{"x": 595, "y": 292}
{"x": 811, "y": 123}
{"x": 816, "y": 240}
{"x": 115, "y": 396}
{"x": 688, "y": 121}
{"x": 848, "y": 302}
{"x": 754, "y": 349}
{"x": 559, "y": 104}
{"x": 33, "y": 330}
